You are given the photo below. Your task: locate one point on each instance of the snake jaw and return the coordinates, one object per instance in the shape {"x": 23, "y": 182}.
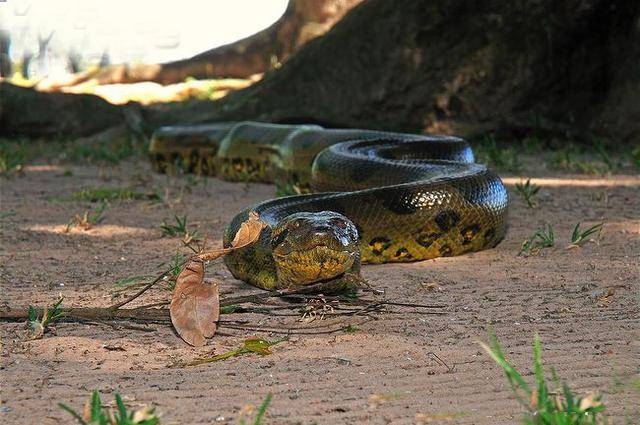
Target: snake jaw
{"x": 313, "y": 265}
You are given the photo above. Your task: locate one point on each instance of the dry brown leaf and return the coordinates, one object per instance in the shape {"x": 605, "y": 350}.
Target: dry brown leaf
{"x": 589, "y": 402}
{"x": 195, "y": 306}
{"x": 248, "y": 233}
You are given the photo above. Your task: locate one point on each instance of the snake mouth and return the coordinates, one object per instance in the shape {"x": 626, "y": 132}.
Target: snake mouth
{"x": 308, "y": 266}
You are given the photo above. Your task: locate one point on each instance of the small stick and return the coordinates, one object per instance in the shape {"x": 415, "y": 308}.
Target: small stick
{"x": 144, "y": 289}
{"x": 95, "y": 313}
{"x": 315, "y": 330}
{"x": 412, "y": 305}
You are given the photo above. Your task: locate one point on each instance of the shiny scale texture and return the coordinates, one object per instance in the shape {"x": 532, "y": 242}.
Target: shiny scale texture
{"x": 411, "y": 197}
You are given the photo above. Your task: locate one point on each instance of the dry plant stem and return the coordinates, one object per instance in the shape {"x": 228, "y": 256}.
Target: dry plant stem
{"x": 151, "y": 315}
{"x": 248, "y": 233}
{"x": 314, "y": 330}
{"x": 161, "y": 315}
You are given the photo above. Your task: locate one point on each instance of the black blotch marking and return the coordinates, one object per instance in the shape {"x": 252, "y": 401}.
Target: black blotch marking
{"x": 194, "y": 158}
{"x": 446, "y": 251}
{"x": 469, "y": 232}
{"x": 403, "y": 253}
{"x": 207, "y": 167}
{"x": 447, "y": 219}
{"x": 489, "y": 234}
{"x": 379, "y": 244}
{"x": 237, "y": 164}
{"x": 279, "y": 238}
{"x": 467, "y": 250}
{"x": 160, "y": 162}
{"x": 427, "y": 239}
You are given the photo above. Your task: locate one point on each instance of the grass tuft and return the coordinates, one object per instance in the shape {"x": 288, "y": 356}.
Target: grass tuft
{"x": 492, "y": 154}
{"x": 541, "y": 238}
{"x": 604, "y": 155}
{"x": 94, "y": 414}
{"x": 109, "y": 152}
{"x": 579, "y": 237}
{"x": 181, "y": 229}
{"x": 634, "y": 155}
{"x": 262, "y": 410}
{"x": 545, "y": 405}
{"x": 573, "y": 159}
{"x": 528, "y": 191}
{"x": 12, "y": 158}
{"x": 101, "y": 194}
{"x": 89, "y": 219}
{"x": 177, "y": 265}
{"x": 37, "y": 326}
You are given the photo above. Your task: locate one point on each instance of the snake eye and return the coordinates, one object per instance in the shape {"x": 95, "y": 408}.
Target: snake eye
{"x": 279, "y": 238}
{"x": 339, "y": 222}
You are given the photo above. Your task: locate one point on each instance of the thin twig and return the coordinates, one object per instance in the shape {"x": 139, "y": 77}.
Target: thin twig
{"x": 144, "y": 289}
{"x": 158, "y": 304}
{"x": 413, "y": 305}
{"x": 315, "y": 330}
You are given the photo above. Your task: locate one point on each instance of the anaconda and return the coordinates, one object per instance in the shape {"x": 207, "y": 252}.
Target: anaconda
{"x": 355, "y": 196}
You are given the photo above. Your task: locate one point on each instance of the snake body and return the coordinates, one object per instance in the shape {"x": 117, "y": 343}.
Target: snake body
{"x": 400, "y": 197}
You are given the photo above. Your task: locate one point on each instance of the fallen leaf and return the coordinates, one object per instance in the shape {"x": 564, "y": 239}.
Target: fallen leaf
{"x": 251, "y": 345}
{"x": 195, "y": 306}
{"x": 258, "y": 345}
{"x": 248, "y": 233}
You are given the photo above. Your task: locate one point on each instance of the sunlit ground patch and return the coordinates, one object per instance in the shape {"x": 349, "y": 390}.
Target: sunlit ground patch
{"x": 43, "y": 168}
{"x": 619, "y": 181}
{"x": 101, "y": 231}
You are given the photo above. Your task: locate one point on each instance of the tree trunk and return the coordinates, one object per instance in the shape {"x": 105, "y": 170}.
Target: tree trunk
{"x": 302, "y": 21}
{"x": 26, "y": 112}
{"x": 26, "y": 63}
{"x": 5, "y": 59}
{"x": 566, "y": 67}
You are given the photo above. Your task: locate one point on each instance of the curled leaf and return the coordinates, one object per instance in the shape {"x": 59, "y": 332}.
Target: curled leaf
{"x": 258, "y": 345}
{"x": 195, "y": 306}
{"x": 251, "y": 345}
{"x": 248, "y": 233}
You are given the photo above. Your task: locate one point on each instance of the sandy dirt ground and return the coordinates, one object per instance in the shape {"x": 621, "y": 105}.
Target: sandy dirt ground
{"x": 583, "y": 302}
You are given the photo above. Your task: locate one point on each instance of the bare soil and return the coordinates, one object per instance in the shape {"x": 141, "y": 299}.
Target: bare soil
{"x": 583, "y": 302}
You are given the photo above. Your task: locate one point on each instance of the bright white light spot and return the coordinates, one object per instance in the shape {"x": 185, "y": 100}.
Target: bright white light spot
{"x": 148, "y": 31}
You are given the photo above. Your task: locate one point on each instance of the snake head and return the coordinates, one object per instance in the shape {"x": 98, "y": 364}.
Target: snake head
{"x": 314, "y": 247}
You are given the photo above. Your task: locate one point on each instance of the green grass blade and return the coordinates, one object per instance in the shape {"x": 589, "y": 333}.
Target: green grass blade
{"x": 576, "y": 233}
{"x": 73, "y": 413}
{"x": 96, "y": 406}
{"x": 541, "y": 385}
{"x": 33, "y": 314}
{"x": 591, "y": 230}
{"x": 495, "y": 352}
{"x": 263, "y": 409}
{"x": 121, "y": 408}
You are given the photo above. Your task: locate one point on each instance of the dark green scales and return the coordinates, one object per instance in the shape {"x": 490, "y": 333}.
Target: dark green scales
{"x": 355, "y": 196}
